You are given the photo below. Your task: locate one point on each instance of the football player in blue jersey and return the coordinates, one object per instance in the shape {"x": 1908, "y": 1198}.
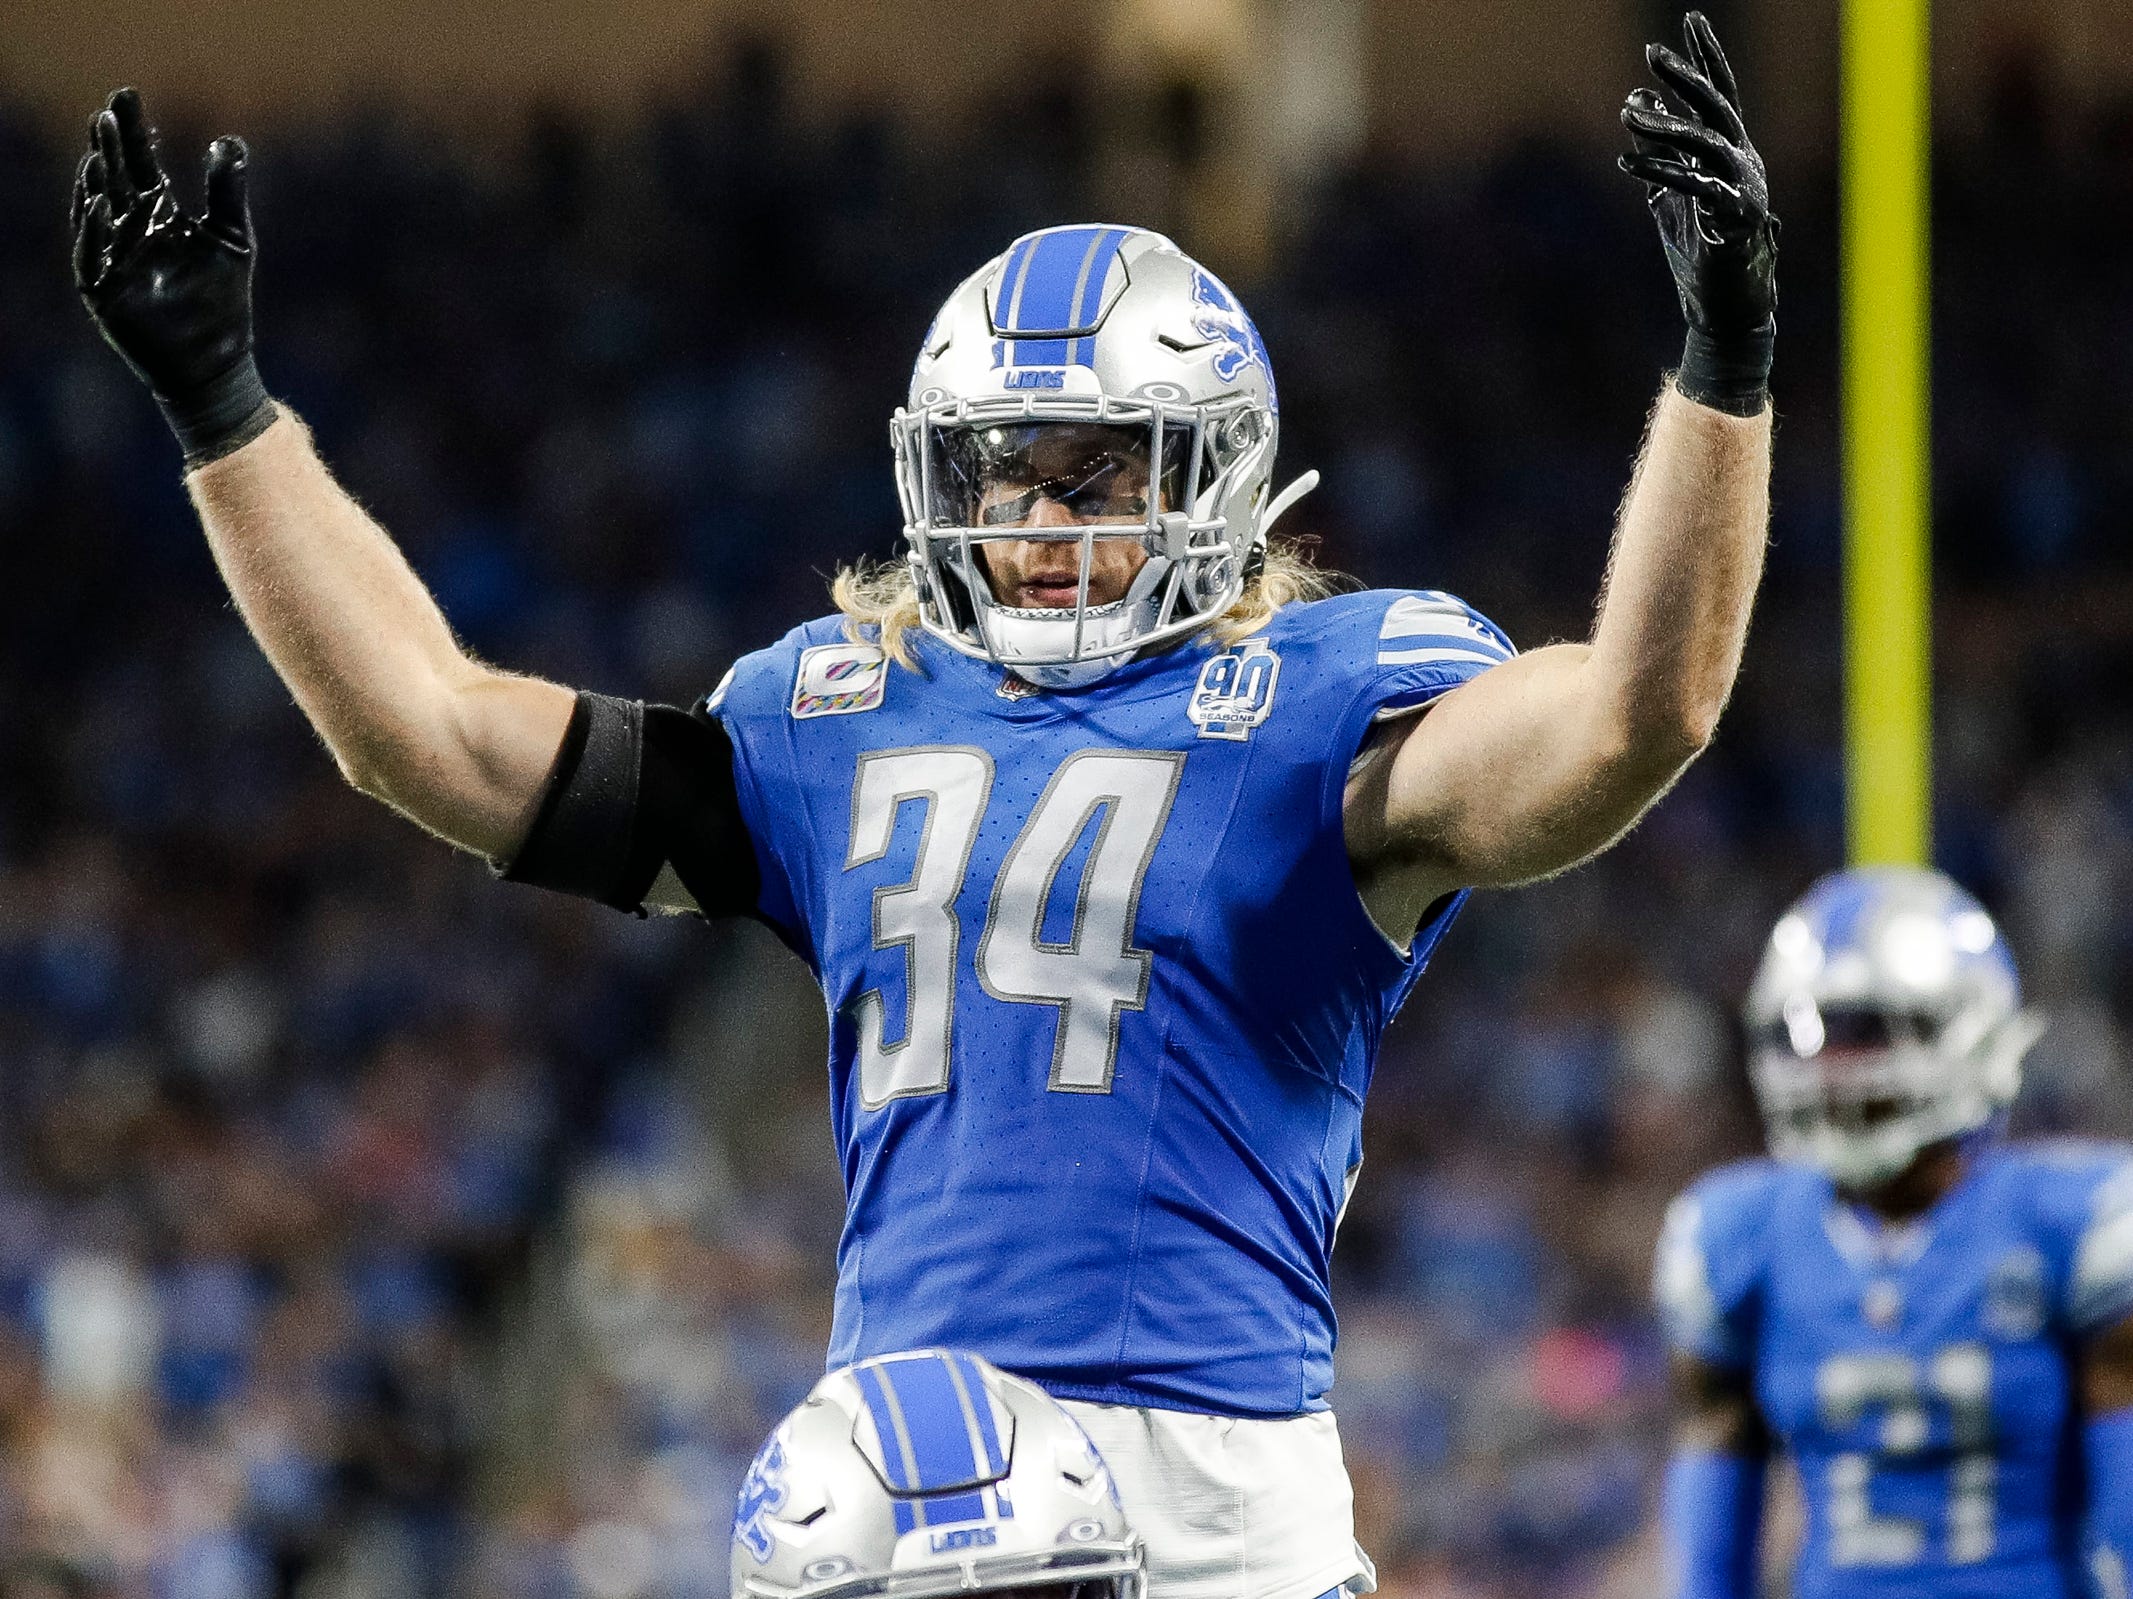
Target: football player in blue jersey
{"x": 1114, "y": 844}
{"x": 1935, "y": 1324}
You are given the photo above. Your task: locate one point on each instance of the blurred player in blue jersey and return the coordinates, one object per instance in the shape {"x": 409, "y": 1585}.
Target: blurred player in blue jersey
{"x": 1934, "y": 1323}
{"x": 1114, "y": 847}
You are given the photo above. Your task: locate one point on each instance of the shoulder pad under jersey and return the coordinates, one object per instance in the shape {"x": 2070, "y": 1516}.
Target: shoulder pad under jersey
{"x": 2082, "y": 1192}
{"x": 1402, "y": 648}
{"x": 1712, "y": 1258}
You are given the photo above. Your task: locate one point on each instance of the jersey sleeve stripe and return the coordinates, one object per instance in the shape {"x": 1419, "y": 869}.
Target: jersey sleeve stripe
{"x": 2103, "y": 1273}
{"x": 1442, "y": 651}
{"x": 1443, "y": 636}
{"x": 1412, "y": 615}
{"x": 1439, "y": 618}
{"x": 1688, "y": 1306}
{"x": 1443, "y": 627}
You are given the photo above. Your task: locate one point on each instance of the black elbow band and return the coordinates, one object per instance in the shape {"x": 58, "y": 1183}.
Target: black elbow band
{"x": 637, "y": 788}
{"x": 689, "y": 814}
{"x": 580, "y": 842}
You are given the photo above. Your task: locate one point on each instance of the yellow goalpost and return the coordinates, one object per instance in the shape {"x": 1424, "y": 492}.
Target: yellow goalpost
{"x": 1887, "y": 131}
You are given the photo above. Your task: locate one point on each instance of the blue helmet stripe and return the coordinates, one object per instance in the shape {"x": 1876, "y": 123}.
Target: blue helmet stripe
{"x": 949, "y": 1508}
{"x": 1096, "y": 268}
{"x": 981, "y": 1410}
{"x": 1845, "y": 909}
{"x": 923, "y": 1390}
{"x": 1021, "y": 311}
{"x": 1050, "y": 292}
{"x": 1008, "y": 308}
{"x": 896, "y": 1450}
{"x": 1044, "y": 301}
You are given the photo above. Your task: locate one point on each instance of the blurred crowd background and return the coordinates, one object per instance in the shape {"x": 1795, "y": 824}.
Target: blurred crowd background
{"x": 368, "y": 1228}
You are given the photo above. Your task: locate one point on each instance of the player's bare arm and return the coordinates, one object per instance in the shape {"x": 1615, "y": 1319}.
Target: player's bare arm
{"x": 462, "y": 748}
{"x": 2106, "y": 1372}
{"x": 1714, "y": 1409}
{"x": 411, "y": 719}
{"x": 1713, "y": 1500}
{"x": 1539, "y": 763}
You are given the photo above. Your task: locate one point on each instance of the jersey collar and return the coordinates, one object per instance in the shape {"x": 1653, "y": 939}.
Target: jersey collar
{"x": 1144, "y": 677}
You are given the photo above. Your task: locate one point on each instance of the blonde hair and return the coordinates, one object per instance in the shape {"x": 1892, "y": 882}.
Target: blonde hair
{"x": 880, "y": 601}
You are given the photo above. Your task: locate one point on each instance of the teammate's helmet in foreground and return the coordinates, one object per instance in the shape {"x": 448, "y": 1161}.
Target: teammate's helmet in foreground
{"x": 1102, "y": 368}
{"x": 1886, "y": 1016}
{"x": 929, "y": 1474}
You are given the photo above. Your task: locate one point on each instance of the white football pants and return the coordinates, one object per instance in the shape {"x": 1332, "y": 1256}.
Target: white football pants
{"x": 1233, "y": 1508}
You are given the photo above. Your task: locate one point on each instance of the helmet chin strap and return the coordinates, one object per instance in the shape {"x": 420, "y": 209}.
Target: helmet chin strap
{"x": 1297, "y": 489}
{"x": 2004, "y": 1050}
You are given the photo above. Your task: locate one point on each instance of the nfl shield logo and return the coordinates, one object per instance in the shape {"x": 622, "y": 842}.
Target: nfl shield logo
{"x": 1236, "y": 691}
{"x": 2015, "y": 1297}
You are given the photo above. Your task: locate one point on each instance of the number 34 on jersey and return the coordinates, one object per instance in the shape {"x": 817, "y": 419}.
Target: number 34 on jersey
{"x": 1076, "y": 891}
{"x": 1091, "y": 975}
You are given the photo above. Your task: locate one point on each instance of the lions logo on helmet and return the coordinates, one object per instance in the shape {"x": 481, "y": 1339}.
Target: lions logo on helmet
{"x": 1103, "y": 368}
{"x": 1886, "y": 1016}
{"x": 930, "y": 1474}
{"x": 762, "y": 1491}
{"x": 1222, "y": 318}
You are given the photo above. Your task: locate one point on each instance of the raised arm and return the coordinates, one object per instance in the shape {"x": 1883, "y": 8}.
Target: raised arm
{"x": 462, "y": 748}
{"x": 411, "y": 719}
{"x": 1541, "y": 762}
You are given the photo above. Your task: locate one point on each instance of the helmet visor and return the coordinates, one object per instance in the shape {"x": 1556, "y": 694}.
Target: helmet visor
{"x": 1001, "y": 475}
{"x": 1805, "y": 1030}
{"x": 1856, "y": 1067}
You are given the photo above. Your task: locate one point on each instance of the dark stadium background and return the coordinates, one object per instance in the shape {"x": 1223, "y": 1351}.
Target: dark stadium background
{"x": 368, "y": 1229}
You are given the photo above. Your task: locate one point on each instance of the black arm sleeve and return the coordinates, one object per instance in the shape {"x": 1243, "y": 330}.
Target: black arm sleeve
{"x": 634, "y": 788}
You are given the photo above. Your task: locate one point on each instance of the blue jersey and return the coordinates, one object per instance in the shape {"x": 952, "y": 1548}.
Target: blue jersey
{"x": 1919, "y": 1376}
{"x": 1103, "y": 998}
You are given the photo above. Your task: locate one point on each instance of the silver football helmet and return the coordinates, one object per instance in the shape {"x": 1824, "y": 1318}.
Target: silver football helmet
{"x": 1105, "y": 370}
{"x": 1886, "y": 1016}
{"x": 929, "y": 1474}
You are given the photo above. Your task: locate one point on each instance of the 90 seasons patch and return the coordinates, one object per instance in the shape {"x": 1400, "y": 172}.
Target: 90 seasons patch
{"x": 839, "y": 680}
{"x": 1236, "y": 691}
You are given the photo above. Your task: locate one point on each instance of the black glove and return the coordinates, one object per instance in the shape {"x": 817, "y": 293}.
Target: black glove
{"x": 171, "y": 291}
{"x": 1708, "y": 193}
